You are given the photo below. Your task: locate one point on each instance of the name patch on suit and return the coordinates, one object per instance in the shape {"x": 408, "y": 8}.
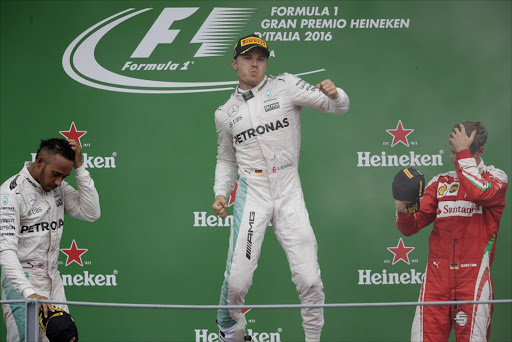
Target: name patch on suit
{"x": 272, "y": 106}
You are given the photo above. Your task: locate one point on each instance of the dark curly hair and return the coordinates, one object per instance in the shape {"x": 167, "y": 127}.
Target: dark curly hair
{"x": 53, "y": 146}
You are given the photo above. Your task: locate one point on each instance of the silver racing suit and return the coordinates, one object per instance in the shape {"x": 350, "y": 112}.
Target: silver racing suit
{"x": 31, "y": 224}
{"x": 259, "y": 137}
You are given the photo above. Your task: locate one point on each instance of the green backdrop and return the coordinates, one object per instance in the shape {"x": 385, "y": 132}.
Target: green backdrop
{"x": 142, "y": 78}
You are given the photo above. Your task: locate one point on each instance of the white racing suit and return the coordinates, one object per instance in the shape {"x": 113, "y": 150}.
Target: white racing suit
{"x": 31, "y": 224}
{"x": 259, "y": 136}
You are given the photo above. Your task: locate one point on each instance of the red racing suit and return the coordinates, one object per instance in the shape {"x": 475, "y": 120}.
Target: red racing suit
{"x": 466, "y": 208}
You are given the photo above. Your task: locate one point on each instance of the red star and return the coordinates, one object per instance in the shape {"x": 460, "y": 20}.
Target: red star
{"x": 232, "y": 196}
{"x": 401, "y": 252}
{"x": 73, "y": 133}
{"x": 400, "y": 134}
{"x": 74, "y": 254}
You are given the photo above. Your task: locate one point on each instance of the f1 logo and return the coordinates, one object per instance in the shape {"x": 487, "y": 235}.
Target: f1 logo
{"x": 215, "y": 36}
{"x": 159, "y": 33}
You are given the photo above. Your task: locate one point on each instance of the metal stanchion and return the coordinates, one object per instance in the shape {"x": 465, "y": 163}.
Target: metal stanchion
{"x": 31, "y": 318}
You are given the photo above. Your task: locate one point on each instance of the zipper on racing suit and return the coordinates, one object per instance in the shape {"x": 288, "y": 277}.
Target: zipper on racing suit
{"x": 454, "y": 265}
